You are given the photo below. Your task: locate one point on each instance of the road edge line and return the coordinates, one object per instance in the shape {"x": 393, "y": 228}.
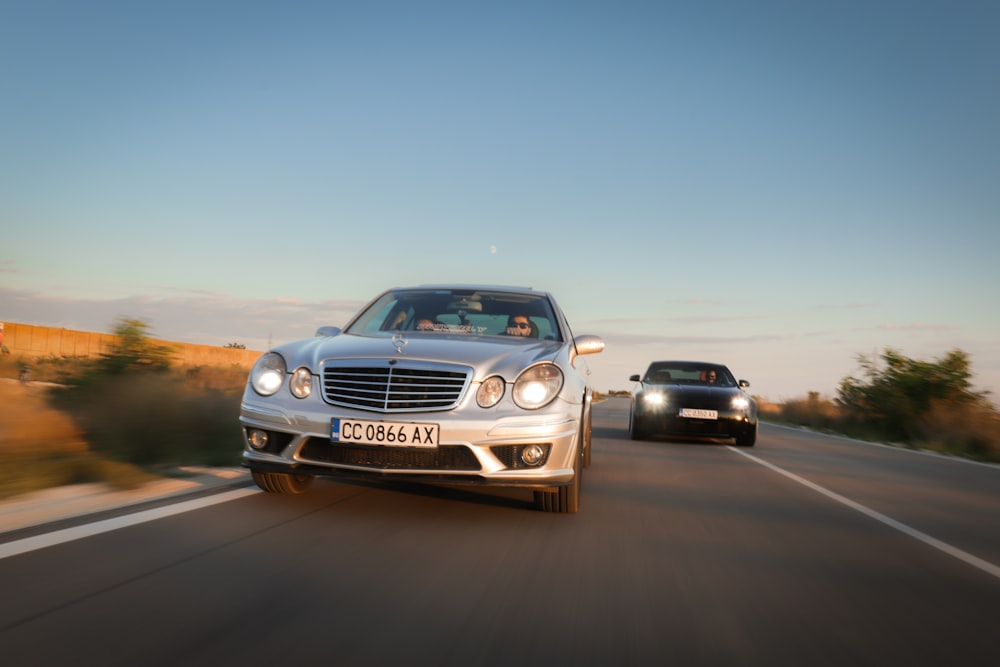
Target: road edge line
{"x": 964, "y": 556}
{"x": 36, "y": 542}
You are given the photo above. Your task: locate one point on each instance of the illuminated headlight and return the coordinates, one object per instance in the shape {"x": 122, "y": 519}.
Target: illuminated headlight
{"x": 741, "y": 403}
{"x": 537, "y": 386}
{"x": 300, "y": 383}
{"x": 490, "y": 391}
{"x": 268, "y": 374}
{"x": 654, "y": 399}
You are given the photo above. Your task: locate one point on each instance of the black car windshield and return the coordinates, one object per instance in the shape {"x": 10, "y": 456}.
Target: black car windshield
{"x": 475, "y": 312}
{"x": 687, "y": 372}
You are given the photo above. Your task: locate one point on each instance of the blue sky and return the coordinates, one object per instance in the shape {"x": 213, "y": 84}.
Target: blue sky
{"x": 780, "y": 186}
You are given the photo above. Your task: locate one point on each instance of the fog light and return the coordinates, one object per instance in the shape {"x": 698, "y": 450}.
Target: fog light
{"x": 532, "y": 455}
{"x": 257, "y": 438}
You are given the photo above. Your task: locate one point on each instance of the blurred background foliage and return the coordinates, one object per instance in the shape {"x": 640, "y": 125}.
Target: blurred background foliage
{"x": 120, "y": 418}
{"x": 132, "y": 414}
{"x": 915, "y": 403}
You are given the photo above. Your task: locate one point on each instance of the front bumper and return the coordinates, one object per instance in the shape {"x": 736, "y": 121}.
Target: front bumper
{"x": 722, "y": 427}
{"x": 728, "y": 424}
{"x": 482, "y": 452}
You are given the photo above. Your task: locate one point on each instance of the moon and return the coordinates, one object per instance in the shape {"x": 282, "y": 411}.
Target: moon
{"x": 493, "y": 250}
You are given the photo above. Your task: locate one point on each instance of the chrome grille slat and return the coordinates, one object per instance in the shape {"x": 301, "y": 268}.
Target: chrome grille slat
{"x": 405, "y": 386}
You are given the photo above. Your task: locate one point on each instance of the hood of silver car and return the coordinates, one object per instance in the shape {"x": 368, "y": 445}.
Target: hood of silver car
{"x": 486, "y": 355}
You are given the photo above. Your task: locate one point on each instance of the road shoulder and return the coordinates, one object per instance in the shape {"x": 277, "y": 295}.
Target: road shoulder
{"x": 77, "y": 501}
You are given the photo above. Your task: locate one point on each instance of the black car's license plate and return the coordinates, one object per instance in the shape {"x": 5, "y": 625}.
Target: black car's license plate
{"x": 694, "y": 413}
{"x": 385, "y": 433}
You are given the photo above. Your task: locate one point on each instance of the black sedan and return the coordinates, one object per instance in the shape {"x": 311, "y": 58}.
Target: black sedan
{"x": 692, "y": 398}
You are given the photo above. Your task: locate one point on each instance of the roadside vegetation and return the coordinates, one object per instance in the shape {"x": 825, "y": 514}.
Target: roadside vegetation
{"x": 120, "y": 419}
{"x": 132, "y": 415}
{"x": 909, "y": 402}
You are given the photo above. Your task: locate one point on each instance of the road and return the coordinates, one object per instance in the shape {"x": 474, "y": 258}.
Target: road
{"x": 804, "y": 550}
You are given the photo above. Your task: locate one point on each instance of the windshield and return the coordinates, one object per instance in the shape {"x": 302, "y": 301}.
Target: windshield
{"x": 686, "y": 372}
{"x": 460, "y": 311}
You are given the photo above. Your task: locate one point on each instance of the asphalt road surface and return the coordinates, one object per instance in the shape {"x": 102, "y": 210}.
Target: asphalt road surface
{"x": 804, "y": 550}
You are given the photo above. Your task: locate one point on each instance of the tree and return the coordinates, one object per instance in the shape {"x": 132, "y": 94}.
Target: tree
{"x": 893, "y": 397}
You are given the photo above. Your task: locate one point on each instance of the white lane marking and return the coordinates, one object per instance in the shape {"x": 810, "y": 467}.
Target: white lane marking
{"x": 985, "y": 566}
{"x": 28, "y": 544}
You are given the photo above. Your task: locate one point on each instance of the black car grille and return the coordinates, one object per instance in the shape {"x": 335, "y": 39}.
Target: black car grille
{"x": 402, "y": 387}
{"x": 390, "y": 458}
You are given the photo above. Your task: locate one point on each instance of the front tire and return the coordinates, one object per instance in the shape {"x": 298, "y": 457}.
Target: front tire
{"x": 565, "y": 499}
{"x": 636, "y": 431}
{"x": 282, "y": 482}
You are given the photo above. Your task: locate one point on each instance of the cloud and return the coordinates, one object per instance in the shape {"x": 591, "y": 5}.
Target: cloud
{"x": 916, "y": 326}
{"x": 713, "y": 319}
{"x": 190, "y": 316}
{"x": 659, "y": 322}
{"x": 848, "y": 306}
{"x": 700, "y": 302}
{"x": 633, "y": 339}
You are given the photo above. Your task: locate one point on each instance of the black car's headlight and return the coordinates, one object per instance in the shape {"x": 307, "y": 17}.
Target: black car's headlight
{"x": 654, "y": 399}
{"x": 537, "y": 386}
{"x": 267, "y": 374}
{"x": 741, "y": 403}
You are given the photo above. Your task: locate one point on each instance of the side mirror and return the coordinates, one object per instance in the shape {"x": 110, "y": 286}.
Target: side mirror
{"x": 634, "y": 378}
{"x": 588, "y": 344}
{"x": 744, "y": 383}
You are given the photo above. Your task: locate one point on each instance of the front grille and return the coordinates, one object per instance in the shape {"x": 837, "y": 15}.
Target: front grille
{"x": 390, "y": 458}
{"x": 401, "y": 387}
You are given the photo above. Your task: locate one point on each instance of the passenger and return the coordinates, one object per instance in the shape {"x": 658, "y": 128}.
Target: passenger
{"x": 710, "y": 377}
{"x": 425, "y": 324}
{"x": 520, "y": 325}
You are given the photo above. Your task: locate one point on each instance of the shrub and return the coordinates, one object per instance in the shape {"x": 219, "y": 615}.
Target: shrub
{"x": 815, "y": 412}
{"x": 112, "y": 418}
{"x": 154, "y": 418}
{"x": 961, "y": 428}
{"x": 894, "y": 396}
{"x": 133, "y": 408}
{"x": 134, "y": 351}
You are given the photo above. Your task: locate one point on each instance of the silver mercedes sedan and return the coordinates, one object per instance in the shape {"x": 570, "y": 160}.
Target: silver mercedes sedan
{"x": 440, "y": 384}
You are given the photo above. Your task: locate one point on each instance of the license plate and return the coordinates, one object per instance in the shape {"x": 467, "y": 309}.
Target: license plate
{"x": 391, "y": 434}
{"x": 694, "y": 413}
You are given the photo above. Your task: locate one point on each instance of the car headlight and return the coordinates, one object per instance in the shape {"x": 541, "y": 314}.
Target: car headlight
{"x": 268, "y": 374}
{"x": 741, "y": 403}
{"x": 300, "y": 384}
{"x": 490, "y": 391}
{"x": 654, "y": 399}
{"x": 537, "y": 386}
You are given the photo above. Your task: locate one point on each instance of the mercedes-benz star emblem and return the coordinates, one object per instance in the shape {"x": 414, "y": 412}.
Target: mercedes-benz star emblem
{"x": 399, "y": 340}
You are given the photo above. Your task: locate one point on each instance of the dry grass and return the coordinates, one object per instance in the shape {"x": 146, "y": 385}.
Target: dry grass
{"x": 29, "y": 425}
{"x": 41, "y": 447}
{"x": 970, "y": 430}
